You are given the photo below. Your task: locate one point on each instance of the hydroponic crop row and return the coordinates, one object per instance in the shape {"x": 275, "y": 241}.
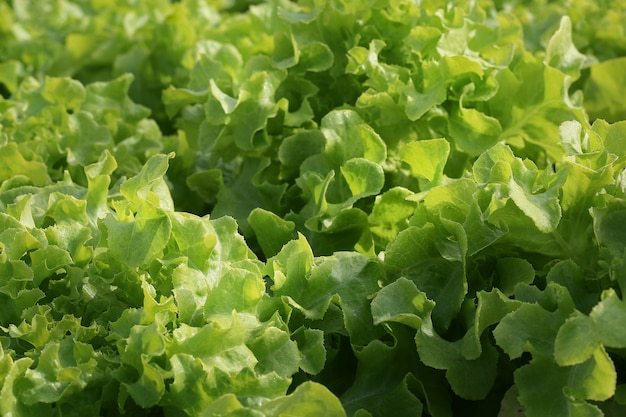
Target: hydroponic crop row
{"x": 314, "y": 207}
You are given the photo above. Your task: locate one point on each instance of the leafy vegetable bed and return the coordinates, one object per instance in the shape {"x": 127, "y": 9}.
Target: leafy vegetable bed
{"x": 312, "y": 208}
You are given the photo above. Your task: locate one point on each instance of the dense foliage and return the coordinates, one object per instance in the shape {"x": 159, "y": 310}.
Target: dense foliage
{"x": 313, "y": 207}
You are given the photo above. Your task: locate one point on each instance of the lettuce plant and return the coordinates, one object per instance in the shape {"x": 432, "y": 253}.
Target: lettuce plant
{"x": 313, "y": 207}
